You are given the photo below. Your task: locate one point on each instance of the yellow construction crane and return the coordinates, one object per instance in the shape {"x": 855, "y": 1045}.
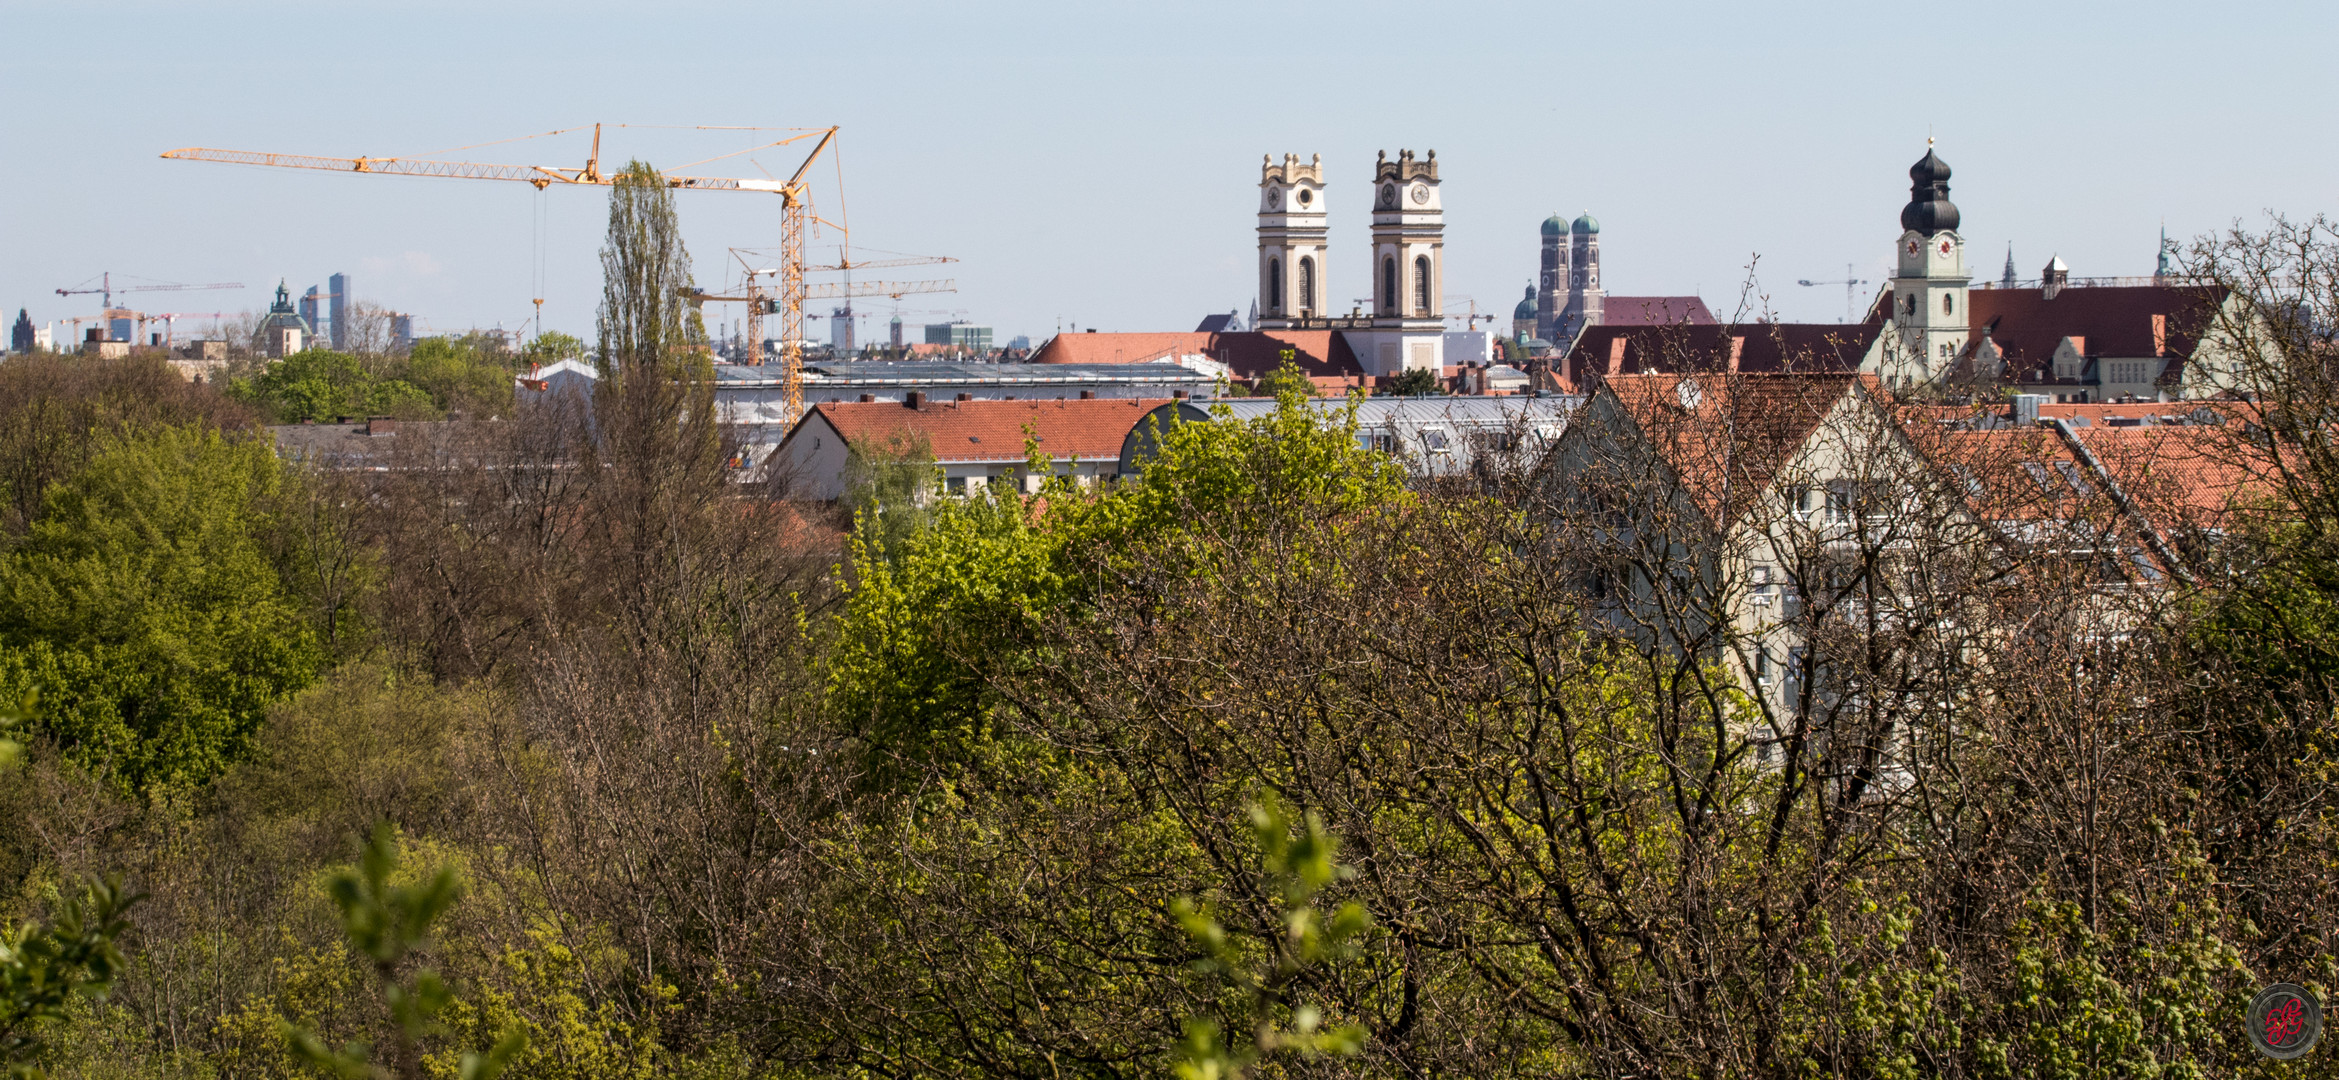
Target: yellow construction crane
{"x": 794, "y": 191}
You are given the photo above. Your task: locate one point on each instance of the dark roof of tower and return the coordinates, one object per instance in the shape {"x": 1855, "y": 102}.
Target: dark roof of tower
{"x": 1554, "y": 225}
{"x": 1526, "y": 308}
{"x": 1929, "y": 210}
{"x": 1586, "y": 223}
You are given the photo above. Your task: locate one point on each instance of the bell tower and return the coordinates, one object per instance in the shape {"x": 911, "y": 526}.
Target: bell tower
{"x": 1929, "y": 317}
{"x": 1292, "y": 234}
{"x": 1409, "y": 240}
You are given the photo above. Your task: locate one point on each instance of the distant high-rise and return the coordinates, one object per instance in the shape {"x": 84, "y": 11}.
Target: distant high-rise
{"x": 401, "y": 331}
{"x": 20, "y": 337}
{"x": 339, "y": 307}
{"x": 840, "y": 330}
{"x": 894, "y": 342}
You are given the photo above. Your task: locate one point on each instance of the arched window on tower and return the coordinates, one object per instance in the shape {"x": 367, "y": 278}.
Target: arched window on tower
{"x": 1307, "y": 286}
{"x": 1421, "y": 285}
{"x": 1948, "y": 304}
{"x": 1275, "y": 286}
{"x": 1388, "y": 286}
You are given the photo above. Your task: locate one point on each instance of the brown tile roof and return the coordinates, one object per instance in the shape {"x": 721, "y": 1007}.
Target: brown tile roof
{"x": 964, "y": 431}
{"x": 1655, "y": 311}
{"x": 2109, "y": 320}
{"x": 1727, "y": 440}
{"x": 1755, "y": 348}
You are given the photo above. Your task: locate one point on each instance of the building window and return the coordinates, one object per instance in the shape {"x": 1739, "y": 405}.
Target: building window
{"x": 1307, "y": 285}
{"x": 1762, "y": 665}
{"x": 1388, "y": 285}
{"x": 1948, "y": 303}
{"x": 1421, "y": 285}
{"x": 1436, "y": 441}
{"x": 1275, "y": 286}
{"x": 1760, "y": 585}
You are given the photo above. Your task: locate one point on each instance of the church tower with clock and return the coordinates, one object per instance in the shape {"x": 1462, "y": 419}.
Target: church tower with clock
{"x": 1929, "y": 290}
{"x": 1409, "y": 239}
{"x": 1292, "y": 233}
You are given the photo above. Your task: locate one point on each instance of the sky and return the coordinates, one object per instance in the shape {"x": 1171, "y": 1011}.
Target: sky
{"x": 1095, "y": 164}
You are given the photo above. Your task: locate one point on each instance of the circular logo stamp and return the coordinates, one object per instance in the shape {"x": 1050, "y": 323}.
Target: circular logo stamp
{"x": 2285, "y": 1020}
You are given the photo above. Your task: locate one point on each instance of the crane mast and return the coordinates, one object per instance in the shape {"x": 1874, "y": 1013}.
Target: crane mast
{"x": 794, "y": 193}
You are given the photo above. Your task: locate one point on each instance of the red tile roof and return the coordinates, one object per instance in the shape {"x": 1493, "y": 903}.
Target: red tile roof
{"x": 961, "y": 431}
{"x": 1728, "y": 439}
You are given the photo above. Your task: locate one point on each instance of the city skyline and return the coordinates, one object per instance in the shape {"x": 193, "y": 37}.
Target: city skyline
{"x": 1098, "y": 168}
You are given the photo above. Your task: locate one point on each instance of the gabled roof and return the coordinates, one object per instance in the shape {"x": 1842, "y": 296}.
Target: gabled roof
{"x": 1726, "y": 437}
{"x": 1655, "y": 311}
{"x": 1753, "y": 348}
{"x": 992, "y": 431}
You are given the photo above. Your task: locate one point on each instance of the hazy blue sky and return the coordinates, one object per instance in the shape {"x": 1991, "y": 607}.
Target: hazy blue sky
{"x": 1096, "y": 163}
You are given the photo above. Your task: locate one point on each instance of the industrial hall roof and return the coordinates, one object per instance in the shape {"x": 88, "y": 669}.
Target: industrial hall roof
{"x": 990, "y": 431}
{"x": 941, "y": 373}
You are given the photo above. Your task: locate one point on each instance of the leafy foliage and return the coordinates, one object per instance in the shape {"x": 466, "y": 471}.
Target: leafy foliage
{"x": 387, "y": 924}
{"x": 1294, "y": 870}
{"x": 320, "y": 385}
{"x": 145, "y": 609}
{"x": 45, "y": 969}
{"x": 1413, "y": 382}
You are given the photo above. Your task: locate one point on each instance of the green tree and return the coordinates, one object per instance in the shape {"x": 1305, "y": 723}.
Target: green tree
{"x": 1287, "y": 378}
{"x": 550, "y": 347}
{"x": 655, "y": 396}
{"x": 1295, "y": 870}
{"x": 390, "y": 925}
{"x": 459, "y": 376}
{"x": 144, "y": 608}
{"x": 323, "y": 385}
{"x": 43, "y": 970}
{"x": 1414, "y": 382}
{"x": 890, "y": 487}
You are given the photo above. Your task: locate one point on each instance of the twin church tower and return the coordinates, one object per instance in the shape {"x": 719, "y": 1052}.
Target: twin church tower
{"x": 1406, "y": 327}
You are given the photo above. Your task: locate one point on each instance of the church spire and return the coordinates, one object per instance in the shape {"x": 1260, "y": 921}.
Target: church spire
{"x": 2008, "y": 280}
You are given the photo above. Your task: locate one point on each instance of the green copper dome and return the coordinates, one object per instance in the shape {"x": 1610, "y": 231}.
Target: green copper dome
{"x": 1554, "y": 225}
{"x": 1526, "y": 308}
{"x": 1587, "y": 224}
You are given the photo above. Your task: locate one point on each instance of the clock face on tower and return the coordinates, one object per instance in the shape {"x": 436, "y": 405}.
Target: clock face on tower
{"x": 1420, "y": 194}
{"x": 1388, "y": 194}
{"x": 1274, "y": 197}
{"x": 1915, "y": 246}
{"x": 1945, "y": 247}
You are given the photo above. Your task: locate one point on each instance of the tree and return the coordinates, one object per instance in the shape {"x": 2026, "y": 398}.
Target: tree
{"x": 1413, "y": 382}
{"x": 888, "y": 488}
{"x": 322, "y": 386}
{"x": 45, "y": 969}
{"x": 144, "y": 607}
{"x": 1288, "y": 378}
{"x": 389, "y": 924}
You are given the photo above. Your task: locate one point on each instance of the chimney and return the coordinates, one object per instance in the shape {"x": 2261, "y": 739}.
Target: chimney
{"x": 2160, "y": 335}
{"x": 866, "y": 398}
{"x": 1616, "y": 355}
{"x": 1088, "y": 395}
{"x": 966, "y": 397}
{"x": 1737, "y": 347}
{"x": 381, "y": 425}
{"x": 915, "y": 399}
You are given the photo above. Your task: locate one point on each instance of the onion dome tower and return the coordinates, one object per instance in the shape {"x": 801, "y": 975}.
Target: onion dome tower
{"x": 1929, "y": 291}
{"x": 1551, "y": 292}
